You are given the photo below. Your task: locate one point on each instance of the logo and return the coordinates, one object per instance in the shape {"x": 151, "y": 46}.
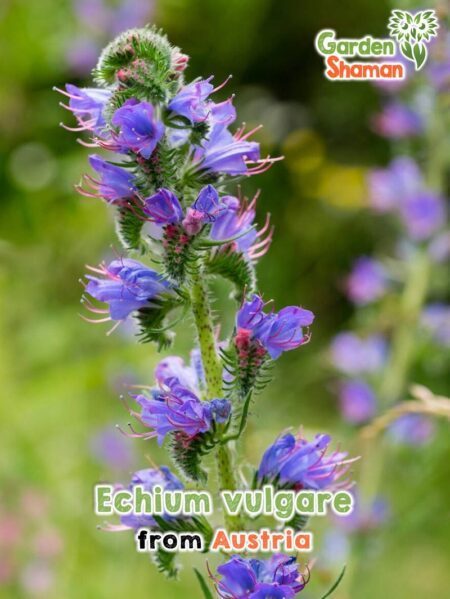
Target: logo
{"x": 412, "y": 32}
{"x": 410, "y": 35}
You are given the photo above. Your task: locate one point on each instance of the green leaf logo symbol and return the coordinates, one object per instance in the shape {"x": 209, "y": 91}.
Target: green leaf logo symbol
{"x": 412, "y": 32}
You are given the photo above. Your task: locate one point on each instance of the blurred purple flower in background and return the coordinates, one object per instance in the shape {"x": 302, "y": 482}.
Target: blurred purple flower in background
{"x": 388, "y": 186}
{"x": 397, "y": 121}
{"x": 412, "y": 429}
{"x": 436, "y": 319}
{"x": 438, "y": 65}
{"x": 365, "y": 518}
{"x": 112, "y": 449}
{"x": 275, "y": 578}
{"x": 367, "y": 281}
{"x": 353, "y": 355}
{"x": 99, "y": 20}
{"x": 357, "y": 401}
{"x": 423, "y": 214}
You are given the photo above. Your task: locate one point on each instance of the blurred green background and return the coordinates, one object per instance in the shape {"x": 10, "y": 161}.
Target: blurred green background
{"x": 61, "y": 378}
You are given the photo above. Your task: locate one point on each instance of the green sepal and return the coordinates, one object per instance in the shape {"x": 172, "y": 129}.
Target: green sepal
{"x": 234, "y": 267}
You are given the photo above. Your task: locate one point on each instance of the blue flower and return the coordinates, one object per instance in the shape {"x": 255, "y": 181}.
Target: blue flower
{"x": 276, "y": 578}
{"x": 299, "y": 464}
{"x": 206, "y": 209}
{"x": 191, "y": 100}
{"x": 178, "y": 409}
{"x": 87, "y": 104}
{"x": 115, "y": 183}
{"x": 234, "y": 221}
{"x": 139, "y": 130}
{"x": 276, "y": 332}
{"x": 125, "y": 285}
{"x": 148, "y": 479}
{"x": 163, "y": 207}
{"x": 222, "y": 152}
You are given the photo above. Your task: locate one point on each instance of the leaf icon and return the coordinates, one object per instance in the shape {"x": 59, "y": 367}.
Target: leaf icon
{"x": 420, "y": 55}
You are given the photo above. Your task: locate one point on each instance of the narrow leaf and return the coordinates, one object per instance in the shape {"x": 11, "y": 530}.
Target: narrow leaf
{"x": 206, "y": 591}
{"x": 335, "y": 585}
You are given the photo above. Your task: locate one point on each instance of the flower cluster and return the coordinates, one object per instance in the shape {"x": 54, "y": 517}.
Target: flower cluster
{"x": 174, "y": 153}
{"x": 175, "y": 405}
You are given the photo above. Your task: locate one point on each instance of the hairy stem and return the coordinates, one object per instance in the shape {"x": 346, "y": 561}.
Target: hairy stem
{"x": 213, "y": 374}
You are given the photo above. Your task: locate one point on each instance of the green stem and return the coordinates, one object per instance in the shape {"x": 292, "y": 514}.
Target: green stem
{"x": 212, "y": 366}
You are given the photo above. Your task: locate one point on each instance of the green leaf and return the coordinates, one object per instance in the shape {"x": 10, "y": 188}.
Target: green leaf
{"x": 233, "y": 266}
{"x": 165, "y": 562}
{"x": 420, "y": 55}
{"x": 406, "y": 49}
{"x": 335, "y": 585}
{"x": 187, "y": 454}
{"x": 206, "y": 591}
{"x": 151, "y": 319}
{"x": 129, "y": 227}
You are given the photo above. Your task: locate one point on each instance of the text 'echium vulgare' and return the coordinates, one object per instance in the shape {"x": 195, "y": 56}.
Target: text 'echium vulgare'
{"x": 168, "y": 157}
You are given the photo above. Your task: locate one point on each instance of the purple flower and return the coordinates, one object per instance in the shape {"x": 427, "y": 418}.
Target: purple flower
{"x": 173, "y": 367}
{"x": 224, "y": 153}
{"x": 115, "y": 183}
{"x": 438, "y": 66}
{"x": 353, "y": 355}
{"x": 87, "y": 104}
{"x": 423, "y": 214}
{"x": 112, "y": 449}
{"x": 436, "y": 319}
{"x": 178, "y": 409}
{"x": 206, "y": 208}
{"x": 235, "y": 220}
{"x": 148, "y": 479}
{"x": 125, "y": 285}
{"x": 191, "y": 100}
{"x": 139, "y": 130}
{"x": 412, "y": 429}
{"x": 298, "y": 464}
{"x": 397, "y": 121}
{"x": 389, "y": 186}
{"x": 357, "y": 401}
{"x": 367, "y": 282}
{"x": 163, "y": 207}
{"x": 275, "y": 578}
{"x": 365, "y": 518}
{"x": 276, "y": 332}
